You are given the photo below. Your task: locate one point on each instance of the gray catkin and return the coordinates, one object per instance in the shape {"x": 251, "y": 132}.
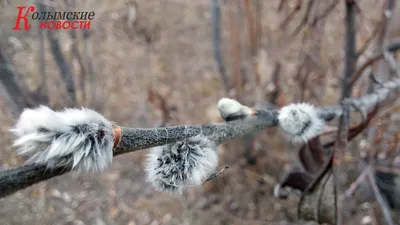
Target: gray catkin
{"x": 80, "y": 138}
{"x": 173, "y": 166}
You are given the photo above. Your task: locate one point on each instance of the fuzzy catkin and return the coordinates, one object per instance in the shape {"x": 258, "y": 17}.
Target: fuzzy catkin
{"x": 173, "y": 166}
{"x": 81, "y": 138}
{"x": 231, "y": 109}
{"x": 300, "y": 121}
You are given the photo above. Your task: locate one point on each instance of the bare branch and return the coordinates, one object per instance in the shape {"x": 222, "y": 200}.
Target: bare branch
{"x": 340, "y": 149}
{"x": 326, "y": 12}
{"x": 216, "y": 38}
{"x": 291, "y": 15}
{"x": 235, "y": 46}
{"x": 350, "y": 48}
{"x": 65, "y": 69}
{"x": 379, "y": 198}
{"x": 392, "y": 62}
{"x": 354, "y": 186}
{"x": 390, "y": 48}
{"x": 216, "y": 174}
{"x": 305, "y": 18}
{"x": 8, "y": 79}
{"x": 375, "y": 32}
{"x": 276, "y": 74}
{"x": 43, "y": 85}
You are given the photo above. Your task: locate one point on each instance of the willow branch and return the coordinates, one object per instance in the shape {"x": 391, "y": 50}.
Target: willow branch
{"x": 134, "y": 139}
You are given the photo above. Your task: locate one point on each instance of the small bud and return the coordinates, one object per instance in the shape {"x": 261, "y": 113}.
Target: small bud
{"x": 173, "y": 166}
{"x": 81, "y": 138}
{"x": 232, "y": 110}
{"x": 300, "y": 121}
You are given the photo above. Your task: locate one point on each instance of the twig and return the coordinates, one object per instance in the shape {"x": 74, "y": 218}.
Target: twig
{"x": 379, "y": 198}
{"x": 390, "y": 48}
{"x": 8, "y": 79}
{"x": 258, "y": 21}
{"x": 281, "y": 4}
{"x": 381, "y": 41}
{"x": 235, "y": 47}
{"x": 365, "y": 45}
{"x": 339, "y": 151}
{"x": 392, "y": 62}
{"x": 43, "y": 86}
{"x": 325, "y": 13}
{"x": 350, "y": 48}
{"x": 354, "y": 186}
{"x": 216, "y": 38}
{"x": 274, "y": 95}
{"x": 65, "y": 69}
{"x": 252, "y": 41}
{"x": 216, "y": 174}
{"x": 291, "y": 15}
{"x": 160, "y": 103}
{"x": 305, "y": 18}
{"x": 87, "y": 46}
{"x": 75, "y": 53}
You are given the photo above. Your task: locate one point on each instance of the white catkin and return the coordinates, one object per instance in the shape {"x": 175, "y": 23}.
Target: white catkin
{"x": 300, "y": 121}
{"x": 174, "y": 166}
{"x": 231, "y": 109}
{"x": 81, "y": 138}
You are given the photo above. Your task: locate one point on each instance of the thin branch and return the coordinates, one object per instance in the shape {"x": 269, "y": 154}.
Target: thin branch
{"x": 216, "y": 38}
{"x": 258, "y": 21}
{"x": 305, "y": 18}
{"x": 65, "y": 69}
{"x": 350, "y": 48}
{"x": 365, "y": 45}
{"x": 379, "y": 198}
{"x": 339, "y": 151}
{"x": 8, "y": 79}
{"x": 274, "y": 95}
{"x": 325, "y": 13}
{"x": 235, "y": 47}
{"x": 88, "y": 55}
{"x": 160, "y": 103}
{"x": 354, "y": 186}
{"x": 216, "y": 174}
{"x": 76, "y": 54}
{"x": 391, "y": 61}
{"x": 390, "y": 48}
{"x": 281, "y": 4}
{"x": 291, "y": 15}
{"x": 252, "y": 36}
{"x": 43, "y": 86}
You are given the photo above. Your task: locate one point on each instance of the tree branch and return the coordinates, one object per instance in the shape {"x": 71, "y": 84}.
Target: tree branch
{"x": 216, "y": 40}
{"x": 65, "y": 69}
{"x": 8, "y": 79}
{"x": 134, "y": 139}
{"x": 390, "y": 48}
{"x": 349, "y": 48}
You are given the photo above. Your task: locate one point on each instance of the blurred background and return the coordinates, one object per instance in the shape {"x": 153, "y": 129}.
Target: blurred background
{"x": 149, "y": 63}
